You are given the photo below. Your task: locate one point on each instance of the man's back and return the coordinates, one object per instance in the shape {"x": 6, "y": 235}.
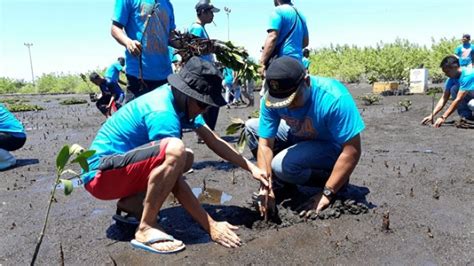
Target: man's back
{"x": 282, "y": 20}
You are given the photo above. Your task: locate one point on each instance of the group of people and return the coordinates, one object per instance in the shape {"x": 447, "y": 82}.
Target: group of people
{"x": 308, "y": 132}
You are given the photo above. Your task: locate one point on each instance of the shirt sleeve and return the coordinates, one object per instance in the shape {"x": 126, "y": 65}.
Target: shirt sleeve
{"x": 121, "y": 12}
{"x": 268, "y": 122}
{"x": 196, "y": 31}
{"x": 466, "y": 84}
{"x": 162, "y": 124}
{"x": 275, "y": 22}
{"x": 343, "y": 120}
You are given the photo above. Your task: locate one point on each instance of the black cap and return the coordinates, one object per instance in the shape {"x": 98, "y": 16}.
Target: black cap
{"x": 200, "y": 80}
{"x": 282, "y": 81}
{"x": 467, "y": 36}
{"x": 205, "y": 5}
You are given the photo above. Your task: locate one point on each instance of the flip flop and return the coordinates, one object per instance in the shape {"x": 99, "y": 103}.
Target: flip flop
{"x": 157, "y": 236}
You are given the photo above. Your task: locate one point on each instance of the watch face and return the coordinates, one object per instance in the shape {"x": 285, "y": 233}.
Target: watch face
{"x": 327, "y": 192}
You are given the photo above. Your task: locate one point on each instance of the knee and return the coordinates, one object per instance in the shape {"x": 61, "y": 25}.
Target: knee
{"x": 470, "y": 105}
{"x": 251, "y": 125}
{"x": 189, "y": 159}
{"x": 288, "y": 172}
{"x": 175, "y": 152}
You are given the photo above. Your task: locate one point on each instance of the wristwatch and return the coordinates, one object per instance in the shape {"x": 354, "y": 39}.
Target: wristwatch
{"x": 328, "y": 193}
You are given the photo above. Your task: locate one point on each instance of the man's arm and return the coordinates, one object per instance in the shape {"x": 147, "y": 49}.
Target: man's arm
{"x": 345, "y": 164}
{"x": 442, "y": 101}
{"x": 453, "y": 106}
{"x": 227, "y": 152}
{"x": 270, "y": 44}
{"x": 133, "y": 46}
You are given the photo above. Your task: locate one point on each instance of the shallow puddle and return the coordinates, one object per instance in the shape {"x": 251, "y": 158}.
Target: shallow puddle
{"x": 211, "y": 196}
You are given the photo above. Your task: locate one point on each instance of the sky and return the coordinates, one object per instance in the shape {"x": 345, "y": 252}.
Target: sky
{"x": 73, "y": 36}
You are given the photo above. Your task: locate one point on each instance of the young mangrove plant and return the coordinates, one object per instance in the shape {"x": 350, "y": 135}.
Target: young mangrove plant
{"x": 63, "y": 162}
{"x": 405, "y": 103}
{"x": 370, "y": 98}
{"x": 236, "y": 125}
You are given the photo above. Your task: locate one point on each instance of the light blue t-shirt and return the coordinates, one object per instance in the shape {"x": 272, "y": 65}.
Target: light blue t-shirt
{"x": 199, "y": 31}
{"x": 113, "y": 72}
{"x": 137, "y": 123}
{"x": 9, "y": 123}
{"x": 132, "y": 14}
{"x": 465, "y": 82}
{"x": 282, "y": 20}
{"x": 330, "y": 114}
{"x": 465, "y": 54}
{"x": 306, "y": 62}
{"x": 228, "y": 76}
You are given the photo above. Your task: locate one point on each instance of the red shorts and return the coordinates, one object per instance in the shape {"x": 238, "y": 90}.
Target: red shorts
{"x": 123, "y": 175}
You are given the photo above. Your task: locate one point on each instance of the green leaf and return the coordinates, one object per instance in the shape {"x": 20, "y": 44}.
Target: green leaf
{"x": 82, "y": 162}
{"x": 62, "y": 158}
{"x": 233, "y": 128}
{"x": 68, "y": 187}
{"x": 87, "y": 154}
{"x": 240, "y": 146}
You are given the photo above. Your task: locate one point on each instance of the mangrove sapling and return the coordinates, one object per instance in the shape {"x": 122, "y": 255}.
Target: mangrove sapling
{"x": 405, "y": 103}
{"x": 370, "y": 98}
{"x": 239, "y": 124}
{"x": 63, "y": 160}
{"x": 432, "y": 92}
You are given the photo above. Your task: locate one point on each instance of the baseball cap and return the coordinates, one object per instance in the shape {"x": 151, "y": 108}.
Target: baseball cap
{"x": 283, "y": 78}
{"x": 206, "y": 5}
{"x": 467, "y": 36}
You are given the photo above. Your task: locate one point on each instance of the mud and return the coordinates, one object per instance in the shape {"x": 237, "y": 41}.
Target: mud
{"x": 421, "y": 176}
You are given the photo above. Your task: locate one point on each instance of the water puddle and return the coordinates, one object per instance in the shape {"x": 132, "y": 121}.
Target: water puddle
{"x": 211, "y": 195}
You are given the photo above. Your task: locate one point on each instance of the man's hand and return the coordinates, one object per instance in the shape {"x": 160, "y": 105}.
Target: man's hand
{"x": 266, "y": 201}
{"x": 134, "y": 47}
{"x": 314, "y": 205}
{"x": 260, "y": 175}
{"x": 223, "y": 233}
{"x": 426, "y": 120}
{"x": 439, "y": 121}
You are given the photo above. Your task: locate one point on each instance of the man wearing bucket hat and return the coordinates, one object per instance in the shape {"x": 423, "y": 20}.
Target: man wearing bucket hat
{"x": 308, "y": 133}
{"x": 140, "y": 157}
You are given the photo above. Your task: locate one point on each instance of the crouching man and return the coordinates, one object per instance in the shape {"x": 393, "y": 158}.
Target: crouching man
{"x": 112, "y": 95}
{"x": 308, "y": 133}
{"x": 12, "y": 137}
{"x": 140, "y": 157}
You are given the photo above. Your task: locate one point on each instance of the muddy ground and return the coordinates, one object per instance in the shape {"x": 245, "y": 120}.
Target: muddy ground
{"x": 422, "y": 176}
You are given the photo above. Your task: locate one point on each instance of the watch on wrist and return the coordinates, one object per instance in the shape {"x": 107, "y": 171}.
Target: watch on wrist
{"x": 328, "y": 193}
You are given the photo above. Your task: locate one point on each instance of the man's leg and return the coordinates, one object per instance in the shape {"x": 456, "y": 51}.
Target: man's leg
{"x": 282, "y": 139}
{"x": 306, "y": 162}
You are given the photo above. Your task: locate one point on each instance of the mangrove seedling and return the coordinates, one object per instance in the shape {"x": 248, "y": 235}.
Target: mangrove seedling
{"x": 63, "y": 162}
{"x": 72, "y": 101}
{"x": 370, "y": 98}
{"x": 405, "y": 103}
{"x": 432, "y": 92}
{"x": 237, "y": 125}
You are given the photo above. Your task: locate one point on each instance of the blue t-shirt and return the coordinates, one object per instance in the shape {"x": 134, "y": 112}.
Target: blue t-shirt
{"x": 465, "y": 54}
{"x": 329, "y": 114}
{"x": 282, "y": 20}
{"x": 108, "y": 87}
{"x": 9, "y": 123}
{"x": 132, "y": 14}
{"x": 228, "y": 76}
{"x": 137, "y": 123}
{"x": 306, "y": 62}
{"x": 113, "y": 72}
{"x": 465, "y": 82}
{"x": 199, "y": 31}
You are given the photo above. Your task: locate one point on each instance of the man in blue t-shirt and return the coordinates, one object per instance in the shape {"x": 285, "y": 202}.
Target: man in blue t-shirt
{"x": 144, "y": 28}
{"x": 140, "y": 157}
{"x": 287, "y": 33}
{"x": 12, "y": 137}
{"x": 306, "y": 61}
{"x": 229, "y": 79}
{"x": 459, "y": 86}
{"x": 464, "y": 52}
{"x": 112, "y": 73}
{"x": 112, "y": 96}
{"x": 308, "y": 133}
{"x": 205, "y": 15}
